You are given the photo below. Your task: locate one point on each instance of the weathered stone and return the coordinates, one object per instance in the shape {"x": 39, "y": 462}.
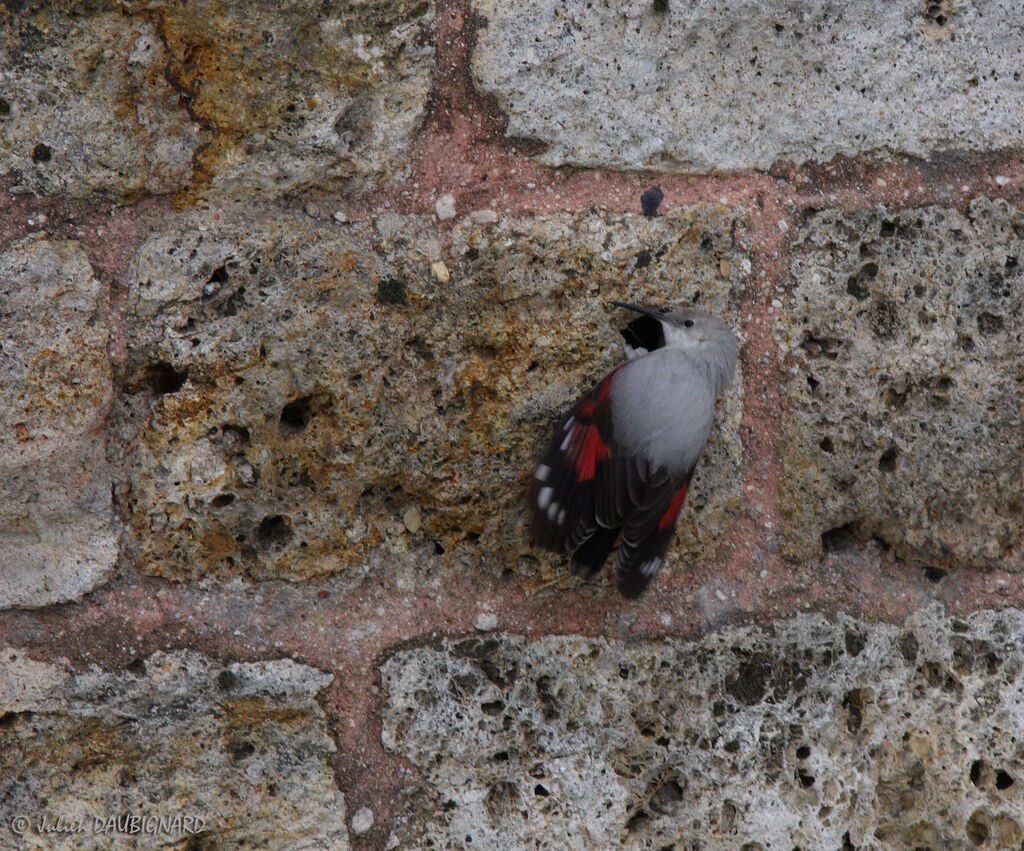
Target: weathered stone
{"x": 813, "y": 734}
{"x": 56, "y": 521}
{"x": 235, "y": 99}
{"x": 901, "y": 340}
{"x": 731, "y": 84}
{"x": 300, "y": 97}
{"x": 296, "y": 387}
{"x": 241, "y": 750}
{"x": 85, "y": 110}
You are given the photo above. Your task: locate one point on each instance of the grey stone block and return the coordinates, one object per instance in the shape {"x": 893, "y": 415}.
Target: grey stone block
{"x": 904, "y": 379}
{"x": 734, "y": 84}
{"x": 57, "y": 528}
{"x": 810, "y": 733}
{"x": 240, "y": 750}
{"x": 85, "y": 110}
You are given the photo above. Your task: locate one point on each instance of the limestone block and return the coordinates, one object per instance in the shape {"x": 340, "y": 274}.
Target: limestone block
{"x": 302, "y": 393}
{"x": 298, "y": 96}
{"x": 57, "y": 535}
{"x": 232, "y": 99}
{"x": 706, "y": 85}
{"x": 901, "y": 344}
{"x": 85, "y": 110}
{"x": 242, "y": 750}
{"x": 811, "y": 734}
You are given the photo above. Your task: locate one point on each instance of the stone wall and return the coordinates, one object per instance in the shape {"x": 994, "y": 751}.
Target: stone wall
{"x": 291, "y": 296}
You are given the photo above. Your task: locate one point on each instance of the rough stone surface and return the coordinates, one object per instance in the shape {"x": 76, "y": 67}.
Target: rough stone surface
{"x": 295, "y": 387}
{"x": 85, "y": 110}
{"x": 301, "y": 97}
{"x": 237, "y": 99}
{"x": 242, "y": 747}
{"x": 730, "y": 84}
{"x": 812, "y": 733}
{"x": 56, "y": 521}
{"x": 902, "y": 343}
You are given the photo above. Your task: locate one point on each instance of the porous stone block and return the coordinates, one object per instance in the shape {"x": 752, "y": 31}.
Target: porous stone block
{"x": 901, "y": 345}
{"x": 237, "y": 99}
{"x": 733, "y": 84}
{"x": 240, "y": 751}
{"x": 300, "y": 97}
{"x": 302, "y": 394}
{"x": 85, "y": 110}
{"x": 57, "y": 533}
{"x": 811, "y": 733}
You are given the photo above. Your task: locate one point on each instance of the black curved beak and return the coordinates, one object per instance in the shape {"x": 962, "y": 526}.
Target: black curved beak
{"x": 646, "y": 311}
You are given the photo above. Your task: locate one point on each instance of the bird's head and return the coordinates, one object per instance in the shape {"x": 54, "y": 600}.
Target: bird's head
{"x": 700, "y": 334}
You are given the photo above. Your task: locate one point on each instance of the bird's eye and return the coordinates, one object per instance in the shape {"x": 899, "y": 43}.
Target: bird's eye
{"x": 688, "y": 323}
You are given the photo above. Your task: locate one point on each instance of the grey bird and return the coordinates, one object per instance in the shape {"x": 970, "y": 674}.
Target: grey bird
{"x": 622, "y": 458}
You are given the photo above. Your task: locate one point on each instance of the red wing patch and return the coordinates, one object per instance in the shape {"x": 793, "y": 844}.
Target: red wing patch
{"x": 668, "y": 519}
{"x": 584, "y": 445}
{"x": 587, "y": 451}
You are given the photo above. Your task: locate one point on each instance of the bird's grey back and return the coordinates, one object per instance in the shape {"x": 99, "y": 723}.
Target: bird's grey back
{"x": 664, "y": 409}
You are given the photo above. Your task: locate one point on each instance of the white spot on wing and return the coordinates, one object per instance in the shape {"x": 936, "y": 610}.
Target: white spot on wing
{"x": 569, "y": 423}
{"x": 561, "y": 517}
{"x": 649, "y": 568}
{"x": 543, "y": 471}
{"x": 566, "y": 442}
{"x": 544, "y": 497}
{"x": 552, "y": 511}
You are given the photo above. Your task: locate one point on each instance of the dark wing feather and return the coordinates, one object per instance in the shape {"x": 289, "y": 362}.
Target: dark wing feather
{"x": 648, "y": 532}
{"x": 565, "y": 485}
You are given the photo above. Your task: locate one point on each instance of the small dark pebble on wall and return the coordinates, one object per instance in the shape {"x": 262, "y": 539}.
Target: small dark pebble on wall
{"x": 651, "y": 200}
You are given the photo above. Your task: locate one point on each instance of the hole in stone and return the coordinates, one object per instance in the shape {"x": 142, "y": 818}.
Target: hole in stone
{"x": 856, "y": 288}
{"x": 977, "y": 829}
{"x": 637, "y": 822}
{"x": 934, "y": 574}
{"x": 540, "y": 791}
{"x": 887, "y": 463}
{"x": 222, "y": 500}
{"x": 854, "y": 641}
{"x": 500, "y": 756}
{"x": 806, "y": 779}
{"x": 813, "y": 383}
{"x": 976, "y": 768}
{"x": 826, "y": 444}
{"x": 493, "y": 707}
{"x": 5, "y": 108}
{"x": 295, "y": 416}
{"x": 241, "y": 750}
{"x": 438, "y": 549}
{"x": 989, "y": 323}
{"x": 666, "y": 796}
{"x": 837, "y": 539}
{"x": 1003, "y": 780}
{"x": 226, "y": 680}
{"x": 887, "y": 228}
{"x": 218, "y": 277}
{"x": 392, "y": 291}
{"x": 274, "y": 531}
{"x": 41, "y": 153}
{"x": 803, "y": 752}
{"x": 853, "y": 703}
{"x": 162, "y": 378}
{"x": 138, "y": 667}
{"x": 237, "y": 433}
